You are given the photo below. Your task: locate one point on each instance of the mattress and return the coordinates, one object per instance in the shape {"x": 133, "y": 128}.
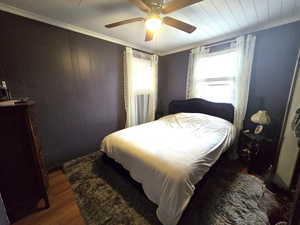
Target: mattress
{"x": 169, "y": 156}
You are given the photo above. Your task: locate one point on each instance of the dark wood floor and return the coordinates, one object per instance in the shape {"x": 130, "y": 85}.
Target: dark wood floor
{"x": 63, "y": 208}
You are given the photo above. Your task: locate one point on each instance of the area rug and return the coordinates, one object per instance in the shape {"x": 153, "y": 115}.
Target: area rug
{"x": 107, "y": 195}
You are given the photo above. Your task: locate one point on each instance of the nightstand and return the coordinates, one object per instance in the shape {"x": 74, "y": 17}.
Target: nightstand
{"x": 256, "y": 151}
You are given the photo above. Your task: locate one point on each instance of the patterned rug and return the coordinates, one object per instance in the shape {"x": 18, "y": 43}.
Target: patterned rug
{"x": 107, "y": 195}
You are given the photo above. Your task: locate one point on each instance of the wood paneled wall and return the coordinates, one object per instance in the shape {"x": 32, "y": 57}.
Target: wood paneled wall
{"x": 75, "y": 80}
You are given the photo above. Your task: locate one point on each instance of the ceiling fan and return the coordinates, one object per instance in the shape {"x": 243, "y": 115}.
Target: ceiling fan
{"x": 154, "y": 8}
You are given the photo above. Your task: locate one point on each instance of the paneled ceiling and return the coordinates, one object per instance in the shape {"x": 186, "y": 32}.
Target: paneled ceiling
{"x": 215, "y": 19}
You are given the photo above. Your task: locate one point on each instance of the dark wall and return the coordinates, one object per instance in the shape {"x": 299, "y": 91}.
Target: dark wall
{"x": 272, "y": 72}
{"x": 75, "y": 80}
{"x": 172, "y": 79}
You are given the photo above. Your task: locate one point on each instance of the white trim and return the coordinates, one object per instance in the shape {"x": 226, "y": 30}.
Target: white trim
{"x": 232, "y": 35}
{"x": 67, "y": 26}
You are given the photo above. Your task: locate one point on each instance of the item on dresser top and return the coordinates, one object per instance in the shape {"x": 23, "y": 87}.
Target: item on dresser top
{"x": 14, "y": 102}
{"x": 22, "y": 100}
{"x": 4, "y": 92}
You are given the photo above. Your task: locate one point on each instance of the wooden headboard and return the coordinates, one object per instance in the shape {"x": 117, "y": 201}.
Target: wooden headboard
{"x": 198, "y": 105}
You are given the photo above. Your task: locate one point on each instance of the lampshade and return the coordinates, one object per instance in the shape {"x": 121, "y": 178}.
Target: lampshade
{"x": 261, "y": 117}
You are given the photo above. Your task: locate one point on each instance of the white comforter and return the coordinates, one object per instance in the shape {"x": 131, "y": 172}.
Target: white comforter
{"x": 169, "y": 156}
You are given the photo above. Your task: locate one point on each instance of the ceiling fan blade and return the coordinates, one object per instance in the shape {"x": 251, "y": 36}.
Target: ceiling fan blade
{"x": 177, "y": 4}
{"x": 124, "y": 22}
{"x": 149, "y": 35}
{"x": 141, "y": 5}
{"x": 179, "y": 24}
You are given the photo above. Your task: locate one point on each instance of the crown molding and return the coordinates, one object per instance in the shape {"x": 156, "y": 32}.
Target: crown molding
{"x": 67, "y": 26}
{"x": 232, "y": 35}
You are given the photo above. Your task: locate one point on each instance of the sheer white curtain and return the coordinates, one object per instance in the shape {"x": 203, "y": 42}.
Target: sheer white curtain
{"x": 224, "y": 75}
{"x": 245, "y": 46}
{"x": 140, "y": 86}
{"x": 193, "y": 73}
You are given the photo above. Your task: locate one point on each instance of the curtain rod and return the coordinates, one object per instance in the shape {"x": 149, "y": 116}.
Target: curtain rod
{"x": 220, "y": 43}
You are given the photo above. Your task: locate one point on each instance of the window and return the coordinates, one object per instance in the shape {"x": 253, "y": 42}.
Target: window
{"x": 223, "y": 75}
{"x": 140, "y": 90}
{"x": 215, "y": 76}
{"x": 142, "y": 76}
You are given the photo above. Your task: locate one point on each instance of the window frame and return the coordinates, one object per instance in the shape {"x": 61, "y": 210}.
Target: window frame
{"x": 210, "y": 81}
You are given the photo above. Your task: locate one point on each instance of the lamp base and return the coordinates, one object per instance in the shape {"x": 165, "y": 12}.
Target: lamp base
{"x": 258, "y": 129}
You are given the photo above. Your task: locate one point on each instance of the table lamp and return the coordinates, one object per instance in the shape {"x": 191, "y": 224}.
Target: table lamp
{"x": 261, "y": 118}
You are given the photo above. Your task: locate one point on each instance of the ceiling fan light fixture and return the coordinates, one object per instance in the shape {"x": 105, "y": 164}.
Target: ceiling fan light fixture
{"x": 154, "y": 9}
{"x": 153, "y": 24}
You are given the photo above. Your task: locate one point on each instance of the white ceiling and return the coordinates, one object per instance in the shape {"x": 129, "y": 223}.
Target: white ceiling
{"x": 215, "y": 19}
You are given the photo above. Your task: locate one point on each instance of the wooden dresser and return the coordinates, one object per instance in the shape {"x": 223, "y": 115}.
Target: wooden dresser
{"x": 23, "y": 178}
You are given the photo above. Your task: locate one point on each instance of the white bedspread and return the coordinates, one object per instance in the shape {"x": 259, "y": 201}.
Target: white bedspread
{"x": 169, "y": 156}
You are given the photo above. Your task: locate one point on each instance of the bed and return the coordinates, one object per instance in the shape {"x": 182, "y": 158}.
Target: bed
{"x": 170, "y": 155}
